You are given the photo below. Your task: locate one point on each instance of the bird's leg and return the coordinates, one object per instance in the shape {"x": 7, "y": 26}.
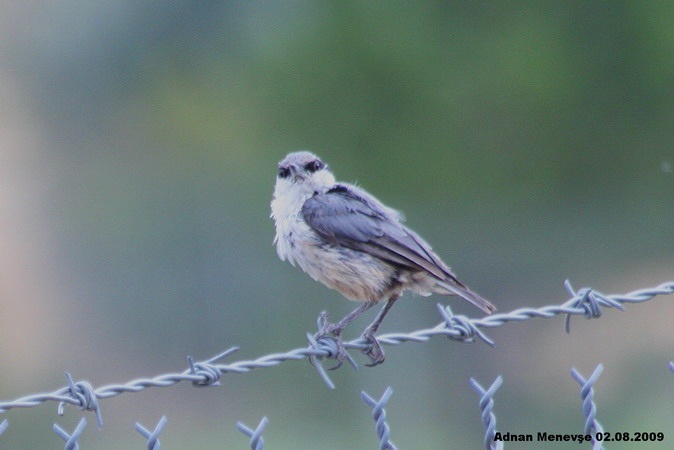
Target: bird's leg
{"x": 339, "y": 327}
{"x": 336, "y": 330}
{"x": 375, "y": 353}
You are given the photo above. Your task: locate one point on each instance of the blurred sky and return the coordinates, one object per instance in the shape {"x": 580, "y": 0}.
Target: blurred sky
{"x": 530, "y": 142}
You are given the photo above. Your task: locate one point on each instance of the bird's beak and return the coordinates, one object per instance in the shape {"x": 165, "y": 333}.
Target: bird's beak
{"x": 296, "y": 174}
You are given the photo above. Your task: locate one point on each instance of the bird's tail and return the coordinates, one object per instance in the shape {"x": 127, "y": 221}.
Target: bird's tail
{"x": 452, "y": 287}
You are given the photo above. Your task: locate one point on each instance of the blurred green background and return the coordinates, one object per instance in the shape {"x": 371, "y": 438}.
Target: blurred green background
{"x": 530, "y": 142}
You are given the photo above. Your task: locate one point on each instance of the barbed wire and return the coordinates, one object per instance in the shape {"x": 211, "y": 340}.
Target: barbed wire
{"x": 592, "y": 425}
{"x": 487, "y": 408}
{"x": 71, "y": 439}
{"x": 592, "y": 428}
{"x": 379, "y": 416}
{"x": 585, "y": 302}
{"x": 256, "y": 441}
{"x": 152, "y": 436}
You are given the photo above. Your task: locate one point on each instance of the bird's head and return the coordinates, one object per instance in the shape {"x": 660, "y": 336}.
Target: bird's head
{"x": 302, "y": 174}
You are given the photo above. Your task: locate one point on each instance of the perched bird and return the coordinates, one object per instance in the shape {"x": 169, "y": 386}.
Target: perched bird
{"x": 348, "y": 240}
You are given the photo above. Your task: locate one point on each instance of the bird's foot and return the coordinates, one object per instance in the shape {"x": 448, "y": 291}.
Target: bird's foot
{"x": 332, "y": 331}
{"x": 374, "y": 352}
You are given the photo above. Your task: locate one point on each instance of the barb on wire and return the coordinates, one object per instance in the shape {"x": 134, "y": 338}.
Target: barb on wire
{"x": 461, "y": 327}
{"x": 3, "y": 425}
{"x": 592, "y": 425}
{"x": 577, "y": 305}
{"x": 71, "y": 439}
{"x": 326, "y": 347}
{"x": 487, "y": 408}
{"x": 590, "y": 301}
{"x": 152, "y": 436}
{"x": 82, "y": 393}
{"x": 671, "y": 366}
{"x": 206, "y": 373}
{"x": 379, "y": 416}
{"x": 585, "y": 302}
{"x": 256, "y": 441}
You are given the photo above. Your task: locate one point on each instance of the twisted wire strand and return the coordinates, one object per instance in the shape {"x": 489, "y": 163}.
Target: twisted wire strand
{"x": 379, "y": 416}
{"x": 256, "y": 441}
{"x": 71, "y": 439}
{"x": 152, "y": 436}
{"x": 586, "y": 302}
{"x": 592, "y": 425}
{"x": 487, "y": 408}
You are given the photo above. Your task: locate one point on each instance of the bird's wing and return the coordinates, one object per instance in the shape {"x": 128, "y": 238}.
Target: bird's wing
{"x": 351, "y": 218}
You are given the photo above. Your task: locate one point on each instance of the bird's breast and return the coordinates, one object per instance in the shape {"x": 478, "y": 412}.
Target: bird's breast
{"x": 356, "y": 275}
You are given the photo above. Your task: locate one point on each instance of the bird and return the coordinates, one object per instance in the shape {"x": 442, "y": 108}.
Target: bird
{"x": 345, "y": 238}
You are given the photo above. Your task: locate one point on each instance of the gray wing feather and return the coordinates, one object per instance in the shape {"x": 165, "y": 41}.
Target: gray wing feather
{"x": 351, "y": 218}
{"x": 355, "y": 220}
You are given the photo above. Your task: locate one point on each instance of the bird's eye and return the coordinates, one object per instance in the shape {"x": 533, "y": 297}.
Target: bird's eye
{"x": 314, "y": 166}
{"x": 283, "y": 172}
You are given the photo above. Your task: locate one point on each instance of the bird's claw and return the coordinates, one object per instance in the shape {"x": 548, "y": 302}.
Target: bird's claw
{"x": 340, "y": 356}
{"x": 374, "y": 352}
{"x": 330, "y": 330}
